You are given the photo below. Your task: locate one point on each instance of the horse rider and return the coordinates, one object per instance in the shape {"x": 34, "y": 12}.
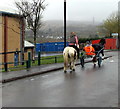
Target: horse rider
{"x": 74, "y": 42}
{"x": 90, "y": 51}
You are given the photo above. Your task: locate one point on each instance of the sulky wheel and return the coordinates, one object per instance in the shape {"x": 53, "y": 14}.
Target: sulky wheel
{"x": 82, "y": 61}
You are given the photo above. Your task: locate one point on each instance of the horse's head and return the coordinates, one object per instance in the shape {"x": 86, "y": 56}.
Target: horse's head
{"x": 102, "y": 42}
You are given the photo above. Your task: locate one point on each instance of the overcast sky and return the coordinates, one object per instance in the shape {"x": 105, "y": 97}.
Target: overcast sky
{"x": 77, "y": 10}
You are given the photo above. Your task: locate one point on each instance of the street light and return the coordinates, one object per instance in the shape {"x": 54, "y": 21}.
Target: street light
{"x": 64, "y": 23}
{"x": 119, "y": 24}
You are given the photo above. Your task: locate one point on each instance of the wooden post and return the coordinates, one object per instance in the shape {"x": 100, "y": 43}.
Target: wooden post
{"x": 6, "y": 67}
{"x": 55, "y": 59}
{"x": 29, "y": 59}
{"x": 39, "y": 58}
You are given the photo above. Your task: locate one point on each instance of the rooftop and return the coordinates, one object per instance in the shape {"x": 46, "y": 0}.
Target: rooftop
{"x": 3, "y": 13}
{"x": 28, "y": 44}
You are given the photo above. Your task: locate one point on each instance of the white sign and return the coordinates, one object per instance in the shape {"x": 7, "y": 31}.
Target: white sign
{"x": 114, "y": 34}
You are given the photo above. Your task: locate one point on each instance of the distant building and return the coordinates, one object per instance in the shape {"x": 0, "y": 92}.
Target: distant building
{"x": 12, "y": 37}
{"x": 28, "y": 47}
{"x": 114, "y": 35}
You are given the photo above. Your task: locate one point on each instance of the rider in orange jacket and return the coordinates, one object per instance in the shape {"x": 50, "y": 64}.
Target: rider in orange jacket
{"x": 89, "y": 49}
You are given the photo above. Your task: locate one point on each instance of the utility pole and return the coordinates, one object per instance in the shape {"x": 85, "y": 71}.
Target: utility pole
{"x": 64, "y": 23}
{"x": 119, "y": 25}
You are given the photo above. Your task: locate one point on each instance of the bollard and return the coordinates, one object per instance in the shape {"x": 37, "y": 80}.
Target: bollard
{"x": 55, "y": 59}
{"x": 22, "y": 62}
{"x": 27, "y": 64}
{"x": 39, "y": 58}
{"x": 29, "y": 59}
{"x": 6, "y": 67}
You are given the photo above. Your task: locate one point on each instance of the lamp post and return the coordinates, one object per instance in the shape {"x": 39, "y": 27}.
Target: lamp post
{"x": 64, "y": 23}
{"x": 119, "y": 24}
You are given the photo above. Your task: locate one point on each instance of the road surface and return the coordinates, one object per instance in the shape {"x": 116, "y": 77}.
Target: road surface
{"x": 88, "y": 87}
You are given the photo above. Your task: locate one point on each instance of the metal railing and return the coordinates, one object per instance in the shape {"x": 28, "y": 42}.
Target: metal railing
{"x": 29, "y": 62}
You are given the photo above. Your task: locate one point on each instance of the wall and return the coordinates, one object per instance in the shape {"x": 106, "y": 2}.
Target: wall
{"x": 13, "y": 40}
{"x": 12, "y": 33}
{"x": 1, "y": 39}
{"x": 50, "y": 47}
{"x": 110, "y": 43}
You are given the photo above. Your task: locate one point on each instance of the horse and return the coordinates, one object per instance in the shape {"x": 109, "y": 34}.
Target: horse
{"x": 70, "y": 57}
{"x": 99, "y": 47}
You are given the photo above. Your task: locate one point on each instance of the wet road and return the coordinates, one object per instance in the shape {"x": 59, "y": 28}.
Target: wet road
{"x": 88, "y": 87}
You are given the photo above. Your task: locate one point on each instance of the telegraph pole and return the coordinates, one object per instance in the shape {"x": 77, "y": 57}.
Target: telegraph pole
{"x": 64, "y": 23}
{"x": 119, "y": 25}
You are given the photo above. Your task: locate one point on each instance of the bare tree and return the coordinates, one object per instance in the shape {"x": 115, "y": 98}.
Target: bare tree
{"x": 32, "y": 11}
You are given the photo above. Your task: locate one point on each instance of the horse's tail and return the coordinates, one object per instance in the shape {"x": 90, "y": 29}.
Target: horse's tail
{"x": 75, "y": 54}
{"x": 72, "y": 54}
{"x": 65, "y": 56}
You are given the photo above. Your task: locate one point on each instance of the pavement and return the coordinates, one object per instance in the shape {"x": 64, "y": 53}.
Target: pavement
{"x": 15, "y": 75}
{"x": 33, "y": 71}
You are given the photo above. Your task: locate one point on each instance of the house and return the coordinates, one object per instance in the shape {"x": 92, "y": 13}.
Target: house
{"x": 115, "y": 35}
{"x": 12, "y": 37}
{"x": 28, "y": 47}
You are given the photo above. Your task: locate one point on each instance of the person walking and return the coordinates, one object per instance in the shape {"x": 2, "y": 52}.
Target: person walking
{"x": 74, "y": 42}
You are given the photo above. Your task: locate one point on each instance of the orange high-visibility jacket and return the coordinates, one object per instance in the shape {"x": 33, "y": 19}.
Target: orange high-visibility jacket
{"x": 89, "y": 50}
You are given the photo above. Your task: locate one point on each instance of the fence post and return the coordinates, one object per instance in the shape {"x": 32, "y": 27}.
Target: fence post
{"x": 55, "y": 59}
{"x": 29, "y": 59}
{"x": 6, "y": 67}
{"x": 27, "y": 64}
{"x": 39, "y": 58}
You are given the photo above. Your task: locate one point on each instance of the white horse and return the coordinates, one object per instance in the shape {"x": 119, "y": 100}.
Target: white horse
{"x": 70, "y": 57}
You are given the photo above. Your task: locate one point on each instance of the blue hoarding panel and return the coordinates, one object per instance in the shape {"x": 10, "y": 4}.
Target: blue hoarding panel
{"x": 50, "y": 47}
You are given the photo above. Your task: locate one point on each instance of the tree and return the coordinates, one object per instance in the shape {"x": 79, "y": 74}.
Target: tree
{"x": 111, "y": 23}
{"x": 32, "y": 12}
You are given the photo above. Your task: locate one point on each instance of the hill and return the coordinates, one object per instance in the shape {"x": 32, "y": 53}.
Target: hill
{"x": 53, "y": 30}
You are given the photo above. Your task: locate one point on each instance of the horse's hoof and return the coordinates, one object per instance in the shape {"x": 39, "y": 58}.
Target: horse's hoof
{"x": 94, "y": 65}
{"x": 102, "y": 57}
{"x": 73, "y": 70}
{"x": 65, "y": 71}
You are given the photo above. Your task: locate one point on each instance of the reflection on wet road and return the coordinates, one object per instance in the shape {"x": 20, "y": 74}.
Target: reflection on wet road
{"x": 86, "y": 87}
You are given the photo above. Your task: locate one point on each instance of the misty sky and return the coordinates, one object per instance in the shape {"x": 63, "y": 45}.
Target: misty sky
{"x": 77, "y": 10}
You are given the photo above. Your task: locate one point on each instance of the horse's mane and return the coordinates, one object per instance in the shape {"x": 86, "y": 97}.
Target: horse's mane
{"x": 102, "y": 41}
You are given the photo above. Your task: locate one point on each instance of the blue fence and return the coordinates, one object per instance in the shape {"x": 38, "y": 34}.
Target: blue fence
{"x": 50, "y": 46}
